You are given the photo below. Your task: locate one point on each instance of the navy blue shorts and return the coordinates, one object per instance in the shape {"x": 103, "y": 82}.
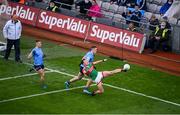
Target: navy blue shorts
{"x": 81, "y": 70}
{"x": 38, "y": 67}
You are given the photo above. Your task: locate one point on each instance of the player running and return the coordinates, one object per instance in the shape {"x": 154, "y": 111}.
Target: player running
{"x": 38, "y": 56}
{"x": 97, "y": 77}
{"x": 89, "y": 57}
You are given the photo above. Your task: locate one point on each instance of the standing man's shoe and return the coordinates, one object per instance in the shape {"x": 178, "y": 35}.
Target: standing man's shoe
{"x": 19, "y": 61}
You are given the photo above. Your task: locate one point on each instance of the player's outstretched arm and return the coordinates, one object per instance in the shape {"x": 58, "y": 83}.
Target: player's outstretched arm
{"x": 30, "y": 55}
{"x": 99, "y": 61}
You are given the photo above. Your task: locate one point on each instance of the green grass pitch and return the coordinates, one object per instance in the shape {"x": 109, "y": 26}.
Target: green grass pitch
{"x": 146, "y": 91}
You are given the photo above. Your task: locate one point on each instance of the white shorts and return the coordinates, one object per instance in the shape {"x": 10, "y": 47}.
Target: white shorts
{"x": 99, "y": 78}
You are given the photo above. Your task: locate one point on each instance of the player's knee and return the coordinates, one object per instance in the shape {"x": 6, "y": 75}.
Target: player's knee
{"x": 101, "y": 91}
{"x": 79, "y": 78}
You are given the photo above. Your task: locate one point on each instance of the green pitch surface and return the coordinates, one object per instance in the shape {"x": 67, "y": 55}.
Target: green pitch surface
{"x": 141, "y": 90}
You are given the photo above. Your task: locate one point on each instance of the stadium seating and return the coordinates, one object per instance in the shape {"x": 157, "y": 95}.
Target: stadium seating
{"x": 158, "y": 16}
{"x": 148, "y": 15}
{"x": 158, "y": 9}
{"x": 163, "y": 1}
{"x": 105, "y": 21}
{"x": 152, "y": 7}
{"x": 105, "y": 6}
{"x": 113, "y": 8}
{"x": 121, "y": 9}
{"x": 150, "y": 1}
{"x": 114, "y": 12}
{"x": 173, "y": 21}
{"x": 179, "y": 23}
{"x": 68, "y": 12}
{"x": 158, "y": 2}
{"x": 117, "y": 17}
{"x": 109, "y": 15}
{"x": 41, "y": 5}
{"x": 120, "y": 25}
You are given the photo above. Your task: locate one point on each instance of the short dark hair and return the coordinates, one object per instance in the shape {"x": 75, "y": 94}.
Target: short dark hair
{"x": 38, "y": 41}
{"x": 93, "y": 47}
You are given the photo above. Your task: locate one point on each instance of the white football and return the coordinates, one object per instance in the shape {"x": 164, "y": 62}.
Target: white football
{"x": 126, "y": 67}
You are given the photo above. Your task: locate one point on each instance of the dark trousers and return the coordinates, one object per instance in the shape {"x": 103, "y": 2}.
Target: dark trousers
{"x": 154, "y": 43}
{"x": 16, "y": 44}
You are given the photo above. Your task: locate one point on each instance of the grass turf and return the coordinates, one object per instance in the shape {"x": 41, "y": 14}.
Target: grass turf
{"x": 66, "y": 59}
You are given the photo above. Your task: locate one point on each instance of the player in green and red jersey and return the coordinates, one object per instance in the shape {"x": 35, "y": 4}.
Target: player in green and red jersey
{"x": 97, "y": 77}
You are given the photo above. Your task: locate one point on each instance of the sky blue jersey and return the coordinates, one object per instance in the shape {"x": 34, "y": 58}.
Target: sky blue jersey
{"x": 37, "y": 56}
{"x": 89, "y": 57}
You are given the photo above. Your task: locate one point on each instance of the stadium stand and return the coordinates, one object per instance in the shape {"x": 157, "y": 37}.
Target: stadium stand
{"x": 105, "y": 21}
{"x": 113, "y": 11}
{"x": 113, "y": 8}
{"x": 41, "y": 5}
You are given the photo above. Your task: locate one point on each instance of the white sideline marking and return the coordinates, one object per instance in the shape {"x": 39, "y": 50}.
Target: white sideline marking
{"x": 119, "y": 88}
{"x": 19, "y": 76}
{"x": 141, "y": 94}
{"x": 40, "y": 94}
{"x": 123, "y": 89}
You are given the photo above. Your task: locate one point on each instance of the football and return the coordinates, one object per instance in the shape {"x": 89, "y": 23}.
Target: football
{"x": 126, "y": 67}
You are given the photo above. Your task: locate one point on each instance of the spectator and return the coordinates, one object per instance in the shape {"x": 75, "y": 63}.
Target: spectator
{"x": 159, "y": 36}
{"x": 52, "y": 7}
{"x": 141, "y": 4}
{"x": 136, "y": 15}
{"x": 84, "y": 6}
{"x": 167, "y": 22}
{"x": 131, "y": 27}
{"x": 165, "y": 7}
{"x": 127, "y": 15}
{"x": 95, "y": 10}
{"x": 118, "y": 2}
{"x": 129, "y": 3}
{"x": 153, "y": 22}
{"x": 12, "y": 32}
{"x": 67, "y": 4}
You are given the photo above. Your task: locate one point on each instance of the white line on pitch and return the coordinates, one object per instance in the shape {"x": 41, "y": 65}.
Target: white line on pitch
{"x": 40, "y": 94}
{"x": 123, "y": 89}
{"x": 141, "y": 94}
{"x": 20, "y": 76}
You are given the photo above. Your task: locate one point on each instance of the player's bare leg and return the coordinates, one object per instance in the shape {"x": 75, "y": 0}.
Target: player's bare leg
{"x": 89, "y": 82}
{"x": 100, "y": 89}
{"x": 86, "y": 88}
{"x": 42, "y": 77}
{"x": 109, "y": 73}
{"x": 105, "y": 74}
{"x": 77, "y": 78}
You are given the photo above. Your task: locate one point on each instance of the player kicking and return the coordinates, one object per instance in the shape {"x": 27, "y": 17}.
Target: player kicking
{"x": 38, "y": 56}
{"x": 97, "y": 77}
{"x": 90, "y": 58}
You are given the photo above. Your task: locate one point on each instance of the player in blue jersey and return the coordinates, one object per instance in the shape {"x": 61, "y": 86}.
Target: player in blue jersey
{"x": 89, "y": 56}
{"x": 38, "y": 55}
